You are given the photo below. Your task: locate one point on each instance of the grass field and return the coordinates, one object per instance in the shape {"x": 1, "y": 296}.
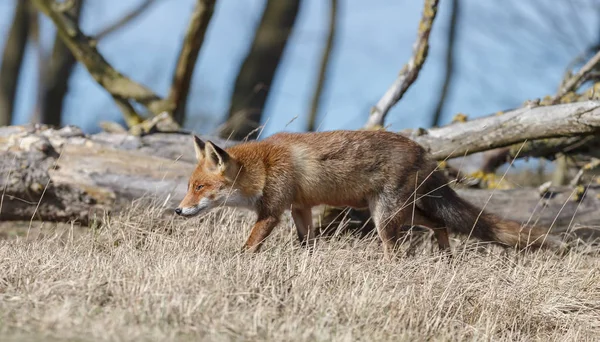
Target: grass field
{"x": 146, "y": 276}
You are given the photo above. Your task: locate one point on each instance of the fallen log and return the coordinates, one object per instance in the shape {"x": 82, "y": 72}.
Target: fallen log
{"x": 64, "y": 175}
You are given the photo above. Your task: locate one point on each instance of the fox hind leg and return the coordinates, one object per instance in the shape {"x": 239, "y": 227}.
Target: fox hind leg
{"x": 418, "y": 218}
{"x": 304, "y": 225}
{"x": 389, "y": 217}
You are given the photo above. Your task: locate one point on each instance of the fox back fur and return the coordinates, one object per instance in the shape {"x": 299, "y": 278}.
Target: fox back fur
{"x": 386, "y": 172}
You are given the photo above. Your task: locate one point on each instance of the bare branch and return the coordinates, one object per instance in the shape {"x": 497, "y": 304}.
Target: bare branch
{"x": 126, "y": 19}
{"x": 65, "y": 6}
{"x": 187, "y": 57}
{"x": 130, "y": 116}
{"x": 316, "y": 101}
{"x": 84, "y": 50}
{"x": 411, "y": 70}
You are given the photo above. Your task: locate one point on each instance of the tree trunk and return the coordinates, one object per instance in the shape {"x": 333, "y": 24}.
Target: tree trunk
{"x": 449, "y": 72}
{"x": 12, "y": 59}
{"x": 322, "y": 76}
{"x": 256, "y": 75}
{"x": 56, "y": 81}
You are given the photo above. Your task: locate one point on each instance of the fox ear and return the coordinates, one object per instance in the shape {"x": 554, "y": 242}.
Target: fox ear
{"x": 199, "y": 148}
{"x": 216, "y": 157}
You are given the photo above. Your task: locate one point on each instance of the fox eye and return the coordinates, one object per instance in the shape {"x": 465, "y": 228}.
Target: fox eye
{"x": 199, "y": 187}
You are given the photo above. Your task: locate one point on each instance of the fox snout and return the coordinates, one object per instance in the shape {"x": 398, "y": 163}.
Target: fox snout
{"x": 187, "y": 210}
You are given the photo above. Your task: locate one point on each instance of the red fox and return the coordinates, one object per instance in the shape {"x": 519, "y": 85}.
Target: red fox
{"x": 385, "y": 172}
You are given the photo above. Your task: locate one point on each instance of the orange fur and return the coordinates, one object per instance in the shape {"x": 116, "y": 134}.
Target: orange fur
{"x": 383, "y": 171}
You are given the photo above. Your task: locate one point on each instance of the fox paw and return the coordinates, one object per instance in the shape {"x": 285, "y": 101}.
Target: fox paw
{"x": 249, "y": 249}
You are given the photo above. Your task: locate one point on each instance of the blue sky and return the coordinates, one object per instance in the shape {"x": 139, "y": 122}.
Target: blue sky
{"x": 507, "y": 53}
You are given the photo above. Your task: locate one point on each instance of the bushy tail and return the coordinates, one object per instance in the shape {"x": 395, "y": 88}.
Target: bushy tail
{"x": 443, "y": 204}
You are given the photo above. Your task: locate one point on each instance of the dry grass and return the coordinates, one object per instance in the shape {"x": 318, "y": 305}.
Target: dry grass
{"x": 145, "y": 277}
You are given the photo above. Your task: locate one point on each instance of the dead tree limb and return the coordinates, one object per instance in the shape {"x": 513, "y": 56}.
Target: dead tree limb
{"x": 411, "y": 70}
{"x": 548, "y": 148}
{"x": 61, "y": 62}
{"x": 83, "y": 48}
{"x": 325, "y": 58}
{"x": 563, "y": 120}
{"x": 187, "y": 57}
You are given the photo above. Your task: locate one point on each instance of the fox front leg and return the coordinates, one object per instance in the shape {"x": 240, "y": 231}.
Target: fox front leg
{"x": 262, "y": 228}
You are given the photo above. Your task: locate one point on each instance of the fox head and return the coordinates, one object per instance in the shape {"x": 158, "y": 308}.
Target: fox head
{"x": 212, "y": 182}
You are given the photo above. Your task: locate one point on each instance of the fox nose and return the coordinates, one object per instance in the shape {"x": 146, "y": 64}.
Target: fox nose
{"x": 178, "y": 211}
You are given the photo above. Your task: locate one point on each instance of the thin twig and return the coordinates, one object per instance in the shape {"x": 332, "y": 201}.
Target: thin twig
{"x": 126, "y": 19}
